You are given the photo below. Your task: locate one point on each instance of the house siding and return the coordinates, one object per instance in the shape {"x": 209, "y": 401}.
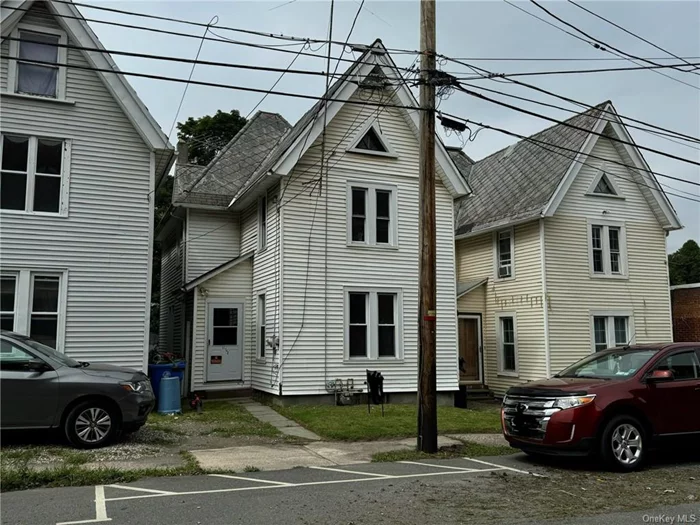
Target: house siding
{"x": 234, "y": 284}
{"x": 213, "y": 238}
{"x": 522, "y": 295}
{"x": 313, "y": 331}
{"x": 171, "y": 272}
{"x": 573, "y": 293}
{"x": 104, "y": 243}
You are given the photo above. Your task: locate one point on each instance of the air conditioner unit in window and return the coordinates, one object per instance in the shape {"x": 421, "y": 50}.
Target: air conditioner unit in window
{"x": 504, "y": 271}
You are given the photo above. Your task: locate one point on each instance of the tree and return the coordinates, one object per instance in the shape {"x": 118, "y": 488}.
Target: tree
{"x": 208, "y": 134}
{"x": 684, "y": 264}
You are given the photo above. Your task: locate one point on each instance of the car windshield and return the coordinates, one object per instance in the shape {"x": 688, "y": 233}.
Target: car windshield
{"x": 50, "y": 352}
{"x": 610, "y": 365}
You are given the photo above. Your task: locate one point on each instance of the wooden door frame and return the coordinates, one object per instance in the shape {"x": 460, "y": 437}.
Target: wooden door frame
{"x": 479, "y": 323}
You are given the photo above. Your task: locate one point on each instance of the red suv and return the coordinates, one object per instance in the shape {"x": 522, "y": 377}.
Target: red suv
{"x": 612, "y": 404}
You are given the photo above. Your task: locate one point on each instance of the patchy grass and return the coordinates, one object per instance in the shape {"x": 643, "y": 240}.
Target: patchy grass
{"x": 353, "y": 423}
{"x": 219, "y": 417}
{"x": 473, "y": 450}
{"x": 19, "y": 476}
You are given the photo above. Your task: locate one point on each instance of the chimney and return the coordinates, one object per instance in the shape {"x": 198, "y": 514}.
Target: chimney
{"x": 182, "y": 153}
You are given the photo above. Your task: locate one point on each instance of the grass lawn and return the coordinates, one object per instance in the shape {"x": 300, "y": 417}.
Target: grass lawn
{"x": 472, "y": 450}
{"x": 352, "y": 423}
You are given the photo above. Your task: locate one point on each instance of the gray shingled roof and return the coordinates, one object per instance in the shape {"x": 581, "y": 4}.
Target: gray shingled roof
{"x": 218, "y": 182}
{"x": 517, "y": 182}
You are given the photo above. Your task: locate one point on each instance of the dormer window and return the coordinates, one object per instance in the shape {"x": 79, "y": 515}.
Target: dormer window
{"x": 38, "y": 70}
{"x": 371, "y": 141}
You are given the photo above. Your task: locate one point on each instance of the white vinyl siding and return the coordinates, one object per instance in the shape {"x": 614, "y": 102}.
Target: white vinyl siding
{"x": 213, "y": 238}
{"x": 172, "y": 324}
{"x": 521, "y": 296}
{"x": 574, "y": 292}
{"x": 105, "y": 241}
{"x": 313, "y": 337}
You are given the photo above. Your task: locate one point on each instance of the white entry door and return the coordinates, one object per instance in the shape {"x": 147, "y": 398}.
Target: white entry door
{"x": 225, "y": 341}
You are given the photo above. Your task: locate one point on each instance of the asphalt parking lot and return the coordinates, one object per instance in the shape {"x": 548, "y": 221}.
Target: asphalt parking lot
{"x": 237, "y": 498}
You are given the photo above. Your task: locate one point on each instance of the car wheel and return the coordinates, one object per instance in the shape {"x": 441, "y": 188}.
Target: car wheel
{"x": 623, "y": 443}
{"x": 90, "y": 425}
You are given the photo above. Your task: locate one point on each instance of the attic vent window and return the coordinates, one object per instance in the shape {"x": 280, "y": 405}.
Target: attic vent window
{"x": 371, "y": 142}
{"x": 604, "y": 187}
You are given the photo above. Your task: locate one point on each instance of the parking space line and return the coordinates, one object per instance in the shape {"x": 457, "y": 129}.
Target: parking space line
{"x": 463, "y": 469}
{"x": 100, "y": 508}
{"x": 139, "y": 489}
{"x": 499, "y": 466}
{"x": 332, "y": 469}
{"x": 250, "y": 479}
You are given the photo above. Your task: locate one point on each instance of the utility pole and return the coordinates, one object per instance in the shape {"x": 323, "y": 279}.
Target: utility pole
{"x": 427, "y": 383}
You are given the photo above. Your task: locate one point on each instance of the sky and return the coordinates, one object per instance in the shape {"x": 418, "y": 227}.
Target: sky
{"x": 474, "y": 30}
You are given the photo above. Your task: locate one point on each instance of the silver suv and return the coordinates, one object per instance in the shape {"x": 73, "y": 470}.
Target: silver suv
{"x": 90, "y": 403}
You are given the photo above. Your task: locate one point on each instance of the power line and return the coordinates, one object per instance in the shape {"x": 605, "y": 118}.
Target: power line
{"x": 631, "y": 33}
{"x": 569, "y": 125}
{"x": 599, "y": 44}
{"x": 561, "y": 59}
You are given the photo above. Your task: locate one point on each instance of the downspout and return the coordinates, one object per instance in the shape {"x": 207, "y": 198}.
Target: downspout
{"x": 545, "y": 301}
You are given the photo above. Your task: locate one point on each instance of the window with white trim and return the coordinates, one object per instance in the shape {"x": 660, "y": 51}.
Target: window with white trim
{"x": 371, "y": 141}
{"x": 607, "y": 250}
{"x": 8, "y": 293}
{"x": 507, "y": 343}
{"x": 38, "y": 69}
{"x": 32, "y": 174}
{"x": 610, "y": 331}
{"x": 373, "y": 329}
{"x": 262, "y": 222}
{"x": 504, "y": 254}
{"x": 372, "y": 215}
{"x": 261, "y": 326}
{"x": 43, "y": 319}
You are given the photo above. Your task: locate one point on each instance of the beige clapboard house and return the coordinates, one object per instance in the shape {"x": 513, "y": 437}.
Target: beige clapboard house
{"x": 561, "y": 251}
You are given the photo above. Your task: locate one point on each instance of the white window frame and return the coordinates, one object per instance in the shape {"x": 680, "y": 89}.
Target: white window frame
{"x": 24, "y": 294}
{"x": 15, "y": 276}
{"x": 496, "y": 254}
{"x": 12, "y": 73}
{"x": 607, "y": 272}
{"x": 499, "y": 341}
{"x": 371, "y": 214}
{"x": 31, "y": 174}
{"x": 261, "y": 314}
{"x": 610, "y": 178}
{"x": 372, "y": 319}
{"x": 610, "y": 326}
{"x": 262, "y": 223}
{"x": 390, "y": 152}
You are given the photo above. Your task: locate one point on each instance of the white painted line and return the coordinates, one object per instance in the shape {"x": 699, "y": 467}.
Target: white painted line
{"x": 439, "y": 466}
{"x": 247, "y": 479}
{"x": 100, "y": 508}
{"x": 306, "y": 484}
{"x": 124, "y": 487}
{"x": 499, "y": 466}
{"x": 351, "y": 471}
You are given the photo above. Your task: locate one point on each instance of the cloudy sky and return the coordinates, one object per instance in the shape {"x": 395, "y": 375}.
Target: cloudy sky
{"x": 467, "y": 29}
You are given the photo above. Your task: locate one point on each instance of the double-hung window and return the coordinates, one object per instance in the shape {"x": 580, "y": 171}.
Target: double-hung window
{"x": 261, "y": 326}
{"x": 504, "y": 245}
{"x": 372, "y": 215}
{"x": 610, "y": 330}
{"x": 507, "y": 343}
{"x": 8, "y": 293}
{"x": 33, "y": 175}
{"x": 38, "y": 67}
{"x": 607, "y": 250}
{"x": 373, "y": 329}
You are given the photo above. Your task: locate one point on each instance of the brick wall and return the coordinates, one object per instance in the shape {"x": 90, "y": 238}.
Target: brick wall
{"x": 685, "y": 303}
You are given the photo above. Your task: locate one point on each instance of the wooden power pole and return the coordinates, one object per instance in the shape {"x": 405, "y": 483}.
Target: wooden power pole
{"x": 427, "y": 383}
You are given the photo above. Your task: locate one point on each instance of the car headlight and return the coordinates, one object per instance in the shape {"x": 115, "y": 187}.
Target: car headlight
{"x": 135, "y": 386}
{"x": 569, "y": 401}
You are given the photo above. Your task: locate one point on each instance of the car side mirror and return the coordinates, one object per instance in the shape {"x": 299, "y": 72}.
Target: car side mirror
{"x": 37, "y": 365}
{"x": 660, "y": 376}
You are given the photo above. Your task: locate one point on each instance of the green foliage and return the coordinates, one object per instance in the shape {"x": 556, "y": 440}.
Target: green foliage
{"x": 353, "y": 423}
{"x": 207, "y": 134}
{"x": 684, "y": 264}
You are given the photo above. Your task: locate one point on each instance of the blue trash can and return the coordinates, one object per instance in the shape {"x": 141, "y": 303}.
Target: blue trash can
{"x": 159, "y": 371}
{"x": 169, "y": 395}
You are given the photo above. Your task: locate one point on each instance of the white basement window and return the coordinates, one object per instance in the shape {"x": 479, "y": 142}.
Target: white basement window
{"x": 504, "y": 242}
{"x": 372, "y": 215}
{"x": 607, "y": 250}
{"x": 373, "y": 329}
{"x": 34, "y": 175}
{"x": 610, "y": 331}
{"x": 38, "y": 69}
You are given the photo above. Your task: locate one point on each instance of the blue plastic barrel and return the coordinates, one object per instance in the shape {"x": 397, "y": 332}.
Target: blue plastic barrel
{"x": 159, "y": 371}
{"x": 169, "y": 395}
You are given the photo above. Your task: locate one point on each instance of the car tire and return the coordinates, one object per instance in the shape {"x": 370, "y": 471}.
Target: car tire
{"x": 623, "y": 443}
{"x": 91, "y": 424}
